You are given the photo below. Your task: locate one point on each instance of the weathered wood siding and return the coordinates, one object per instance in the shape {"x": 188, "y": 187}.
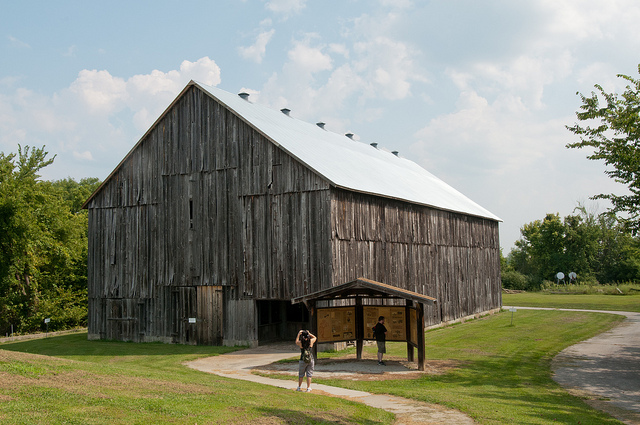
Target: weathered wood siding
{"x": 452, "y": 257}
{"x": 203, "y": 200}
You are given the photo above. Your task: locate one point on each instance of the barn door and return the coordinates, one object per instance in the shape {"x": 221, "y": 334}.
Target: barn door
{"x": 209, "y": 317}
{"x": 183, "y": 304}
{"x": 197, "y": 315}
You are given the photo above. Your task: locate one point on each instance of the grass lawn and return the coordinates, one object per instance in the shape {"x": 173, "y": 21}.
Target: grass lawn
{"x": 69, "y": 380}
{"x": 504, "y": 373}
{"x": 588, "y": 302}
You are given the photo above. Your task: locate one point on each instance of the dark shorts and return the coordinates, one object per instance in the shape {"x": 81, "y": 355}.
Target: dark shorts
{"x": 382, "y": 347}
{"x": 305, "y": 369}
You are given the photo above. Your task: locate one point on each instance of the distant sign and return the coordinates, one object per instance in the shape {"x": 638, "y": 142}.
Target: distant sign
{"x": 47, "y": 320}
{"x": 513, "y": 309}
{"x": 192, "y": 320}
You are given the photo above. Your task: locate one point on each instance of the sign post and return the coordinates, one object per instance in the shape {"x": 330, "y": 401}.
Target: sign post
{"x": 46, "y": 322}
{"x": 512, "y": 310}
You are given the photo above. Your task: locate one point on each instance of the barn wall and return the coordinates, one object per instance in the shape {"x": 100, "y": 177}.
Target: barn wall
{"x": 203, "y": 201}
{"x": 452, "y": 257}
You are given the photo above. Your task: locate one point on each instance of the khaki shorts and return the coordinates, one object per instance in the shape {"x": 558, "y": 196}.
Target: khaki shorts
{"x": 382, "y": 346}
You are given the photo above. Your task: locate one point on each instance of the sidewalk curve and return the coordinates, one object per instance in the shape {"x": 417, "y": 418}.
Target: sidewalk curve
{"x": 605, "y": 369}
{"x": 240, "y": 364}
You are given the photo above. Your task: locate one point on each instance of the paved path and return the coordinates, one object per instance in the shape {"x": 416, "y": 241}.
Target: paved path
{"x": 239, "y": 365}
{"x": 604, "y": 369}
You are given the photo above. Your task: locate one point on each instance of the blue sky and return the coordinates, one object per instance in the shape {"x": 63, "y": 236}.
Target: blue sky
{"x": 477, "y": 92}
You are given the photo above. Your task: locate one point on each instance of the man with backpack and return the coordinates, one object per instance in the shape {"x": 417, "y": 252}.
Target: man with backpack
{"x": 305, "y": 341}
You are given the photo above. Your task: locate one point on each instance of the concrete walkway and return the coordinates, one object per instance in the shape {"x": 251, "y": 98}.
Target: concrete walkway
{"x": 240, "y": 364}
{"x": 605, "y": 369}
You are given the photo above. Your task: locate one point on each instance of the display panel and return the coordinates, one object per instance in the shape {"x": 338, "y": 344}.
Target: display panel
{"x": 395, "y": 321}
{"x": 336, "y": 324}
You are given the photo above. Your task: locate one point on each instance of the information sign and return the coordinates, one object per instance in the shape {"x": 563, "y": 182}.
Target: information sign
{"x": 336, "y": 324}
{"x": 394, "y": 321}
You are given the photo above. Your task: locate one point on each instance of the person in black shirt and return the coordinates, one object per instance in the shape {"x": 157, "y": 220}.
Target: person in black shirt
{"x": 305, "y": 341}
{"x": 380, "y": 334}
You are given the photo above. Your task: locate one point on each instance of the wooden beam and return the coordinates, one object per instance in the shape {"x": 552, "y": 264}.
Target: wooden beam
{"x": 359, "y": 328}
{"x": 421, "y": 348}
{"x": 313, "y": 316}
{"x": 407, "y": 320}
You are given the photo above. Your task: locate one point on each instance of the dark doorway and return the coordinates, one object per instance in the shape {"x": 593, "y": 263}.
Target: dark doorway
{"x": 280, "y": 320}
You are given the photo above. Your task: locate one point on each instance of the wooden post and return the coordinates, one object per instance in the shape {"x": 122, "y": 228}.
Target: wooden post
{"x": 313, "y": 316}
{"x": 421, "y": 348}
{"x": 407, "y": 320}
{"x": 359, "y": 328}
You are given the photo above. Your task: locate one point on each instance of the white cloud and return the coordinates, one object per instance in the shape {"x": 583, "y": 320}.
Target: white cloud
{"x": 18, "y": 44}
{"x": 307, "y": 59}
{"x": 101, "y": 92}
{"x": 83, "y": 156}
{"x": 592, "y": 20}
{"x": 400, "y": 4}
{"x": 319, "y": 79}
{"x": 340, "y": 49}
{"x": 98, "y": 116}
{"x": 257, "y": 51}
{"x": 525, "y": 76}
{"x": 286, "y": 8}
{"x": 71, "y": 51}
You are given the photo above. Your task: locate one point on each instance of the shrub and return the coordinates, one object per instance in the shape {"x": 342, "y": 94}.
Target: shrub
{"x": 515, "y": 280}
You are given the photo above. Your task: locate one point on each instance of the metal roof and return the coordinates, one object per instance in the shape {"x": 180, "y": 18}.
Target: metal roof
{"x": 347, "y": 163}
{"x": 365, "y": 288}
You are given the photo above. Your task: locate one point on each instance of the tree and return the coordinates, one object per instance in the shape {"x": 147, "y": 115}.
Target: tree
{"x": 43, "y": 245}
{"x": 596, "y": 247}
{"x": 615, "y": 138}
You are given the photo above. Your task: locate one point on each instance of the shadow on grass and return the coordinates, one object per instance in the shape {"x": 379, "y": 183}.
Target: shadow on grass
{"x": 295, "y": 417}
{"x": 78, "y": 345}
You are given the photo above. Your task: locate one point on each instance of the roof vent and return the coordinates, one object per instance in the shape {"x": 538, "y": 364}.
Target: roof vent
{"x": 375, "y": 145}
{"x": 320, "y": 124}
{"x": 349, "y": 135}
{"x": 395, "y": 153}
{"x": 285, "y": 111}
{"x": 244, "y": 95}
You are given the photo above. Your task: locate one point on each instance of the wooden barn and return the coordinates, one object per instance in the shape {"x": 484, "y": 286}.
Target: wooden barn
{"x": 226, "y": 210}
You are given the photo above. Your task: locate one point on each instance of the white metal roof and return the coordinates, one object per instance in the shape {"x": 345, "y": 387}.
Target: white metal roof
{"x": 347, "y": 163}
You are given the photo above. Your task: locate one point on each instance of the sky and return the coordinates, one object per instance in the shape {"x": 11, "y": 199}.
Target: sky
{"x": 476, "y": 92}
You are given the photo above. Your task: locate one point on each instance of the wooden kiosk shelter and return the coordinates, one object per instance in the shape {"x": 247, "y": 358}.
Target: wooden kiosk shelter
{"x": 355, "y": 320}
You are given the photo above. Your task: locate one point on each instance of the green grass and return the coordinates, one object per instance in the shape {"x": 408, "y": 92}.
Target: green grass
{"x": 587, "y": 302}
{"x": 621, "y": 288}
{"x": 503, "y": 374}
{"x": 69, "y": 380}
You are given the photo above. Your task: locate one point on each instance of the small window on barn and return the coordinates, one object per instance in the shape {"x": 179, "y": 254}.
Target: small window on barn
{"x": 190, "y": 213}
